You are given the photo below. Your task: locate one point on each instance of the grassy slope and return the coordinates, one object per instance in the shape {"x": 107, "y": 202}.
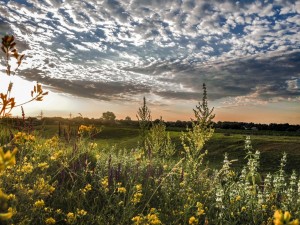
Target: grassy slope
{"x": 270, "y": 146}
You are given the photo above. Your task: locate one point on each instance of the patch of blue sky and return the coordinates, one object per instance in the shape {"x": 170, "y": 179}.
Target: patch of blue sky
{"x": 66, "y": 15}
{"x": 24, "y": 2}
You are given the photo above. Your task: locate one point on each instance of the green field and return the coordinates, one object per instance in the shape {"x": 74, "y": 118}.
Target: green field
{"x": 230, "y": 141}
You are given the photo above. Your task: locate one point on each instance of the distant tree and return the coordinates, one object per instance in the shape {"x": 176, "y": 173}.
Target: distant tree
{"x": 108, "y": 116}
{"x": 127, "y": 118}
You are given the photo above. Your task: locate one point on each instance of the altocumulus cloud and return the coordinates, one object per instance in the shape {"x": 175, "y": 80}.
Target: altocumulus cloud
{"x": 246, "y": 51}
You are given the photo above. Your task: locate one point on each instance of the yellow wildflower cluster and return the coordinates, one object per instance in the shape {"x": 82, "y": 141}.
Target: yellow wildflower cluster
{"x": 281, "y": 218}
{"x": 22, "y": 138}
{"x": 43, "y": 188}
{"x": 3, "y": 202}
{"x": 136, "y": 198}
{"x": 93, "y": 145}
{"x": 104, "y": 183}
{"x": 56, "y": 155}
{"x": 7, "y": 158}
{"x": 193, "y": 220}
{"x": 50, "y": 221}
{"x": 200, "y": 210}
{"x": 86, "y": 189}
{"x": 81, "y": 212}
{"x": 7, "y": 215}
{"x": 86, "y": 129}
{"x": 138, "y": 156}
{"x": 39, "y": 204}
{"x": 52, "y": 142}
{"x": 27, "y": 168}
{"x": 121, "y": 190}
{"x": 43, "y": 165}
{"x": 71, "y": 218}
{"x": 150, "y": 219}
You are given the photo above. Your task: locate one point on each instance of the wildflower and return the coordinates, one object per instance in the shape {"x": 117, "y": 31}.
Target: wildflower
{"x": 193, "y": 220}
{"x": 81, "y": 212}
{"x": 137, "y": 220}
{"x": 39, "y": 204}
{"x": 56, "y": 155}
{"x": 136, "y": 198}
{"x": 7, "y": 215}
{"x": 152, "y": 218}
{"x": 200, "y": 210}
{"x": 71, "y": 218}
{"x": 27, "y": 168}
{"x": 11, "y": 197}
{"x": 138, "y": 187}
{"x": 93, "y": 145}
{"x": 50, "y": 220}
{"x": 7, "y": 158}
{"x": 238, "y": 198}
{"x": 22, "y": 138}
{"x": 59, "y": 211}
{"x": 281, "y": 218}
{"x": 243, "y": 209}
{"x": 43, "y": 165}
{"x": 86, "y": 189}
{"x": 121, "y": 190}
{"x": 104, "y": 183}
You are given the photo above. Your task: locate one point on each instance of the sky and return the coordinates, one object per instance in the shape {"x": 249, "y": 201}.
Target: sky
{"x": 95, "y": 56}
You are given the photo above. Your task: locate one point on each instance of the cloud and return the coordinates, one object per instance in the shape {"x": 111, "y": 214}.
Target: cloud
{"x": 112, "y": 49}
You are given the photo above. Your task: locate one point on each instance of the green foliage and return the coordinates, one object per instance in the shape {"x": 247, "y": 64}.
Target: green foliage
{"x": 144, "y": 118}
{"x": 158, "y": 141}
{"x": 194, "y": 139}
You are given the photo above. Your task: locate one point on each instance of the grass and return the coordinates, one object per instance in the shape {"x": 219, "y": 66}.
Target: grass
{"x": 270, "y": 146}
{"x": 110, "y": 179}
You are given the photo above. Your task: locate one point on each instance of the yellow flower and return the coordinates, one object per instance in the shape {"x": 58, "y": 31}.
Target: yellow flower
{"x": 104, "y": 183}
{"x": 193, "y": 221}
{"x": 151, "y": 218}
{"x": 39, "y": 204}
{"x": 50, "y": 220}
{"x": 200, "y": 210}
{"x": 121, "y": 190}
{"x": 11, "y": 197}
{"x": 27, "y": 168}
{"x": 7, "y": 215}
{"x": 137, "y": 220}
{"x": 284, "y": 218}
{"x": 81, "y": 212}
{"x": 59, "y": 211}
{"x": 138, "y": 187}
{"x": 71, "y": 218}
{"x": 93, "y": 145}
{"x": 43, "y": 165}
{"x": 87, "y": 188}
{"x": 237, "y": 198}
{"x": 56, "y": 155}
{"x": 136, "y": 198}
{"x": 7, "y": 158}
